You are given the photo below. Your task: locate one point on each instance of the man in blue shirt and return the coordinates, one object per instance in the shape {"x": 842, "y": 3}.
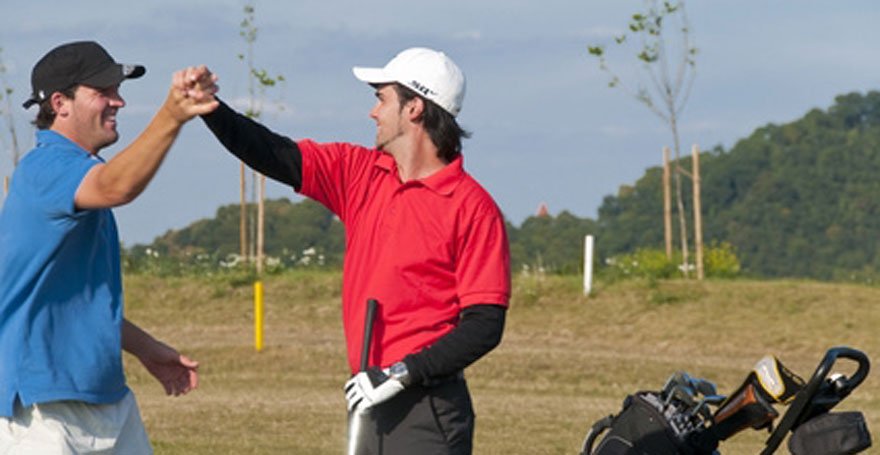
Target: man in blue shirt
{"x": 62, "y": 327}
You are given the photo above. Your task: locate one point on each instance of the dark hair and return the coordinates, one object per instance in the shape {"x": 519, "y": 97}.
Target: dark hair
{"x": 444, "y": 131}
{"x": 46, "y": 115}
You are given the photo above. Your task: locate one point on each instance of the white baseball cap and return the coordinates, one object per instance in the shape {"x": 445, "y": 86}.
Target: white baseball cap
{"x": 430, "y": 73}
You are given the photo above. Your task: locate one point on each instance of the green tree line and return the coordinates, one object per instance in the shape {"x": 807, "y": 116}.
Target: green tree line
{"x": 793, "y": 200}
{"x": 306, "y": 233}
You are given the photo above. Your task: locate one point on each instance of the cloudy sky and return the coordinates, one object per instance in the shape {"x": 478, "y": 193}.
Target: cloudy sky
{"x": 546, "y": 128}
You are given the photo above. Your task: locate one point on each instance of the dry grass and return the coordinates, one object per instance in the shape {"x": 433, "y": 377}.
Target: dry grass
{"x": 565, "y": 360}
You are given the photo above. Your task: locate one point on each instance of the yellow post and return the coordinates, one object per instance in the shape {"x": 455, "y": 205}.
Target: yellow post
{"x": 258, "y": 315}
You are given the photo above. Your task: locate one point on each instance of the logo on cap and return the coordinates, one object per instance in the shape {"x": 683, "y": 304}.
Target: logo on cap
{"x": 425, "y": 91}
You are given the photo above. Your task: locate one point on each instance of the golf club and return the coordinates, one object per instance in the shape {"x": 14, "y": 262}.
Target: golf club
{"x": 356, "y": 416}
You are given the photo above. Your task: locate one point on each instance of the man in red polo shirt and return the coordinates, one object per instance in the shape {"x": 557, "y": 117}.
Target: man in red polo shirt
{"x": 422, "y": 237}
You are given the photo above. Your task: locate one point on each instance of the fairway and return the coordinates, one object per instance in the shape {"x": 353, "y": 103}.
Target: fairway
{"x": 565, "y": 360}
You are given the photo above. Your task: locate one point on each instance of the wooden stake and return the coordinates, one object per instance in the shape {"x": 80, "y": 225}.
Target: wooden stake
{"x": 261, "y": 214}
{"x": 242, "y": 222}
{"x": 698, "y": 218}
{"x": 667, "y": 205}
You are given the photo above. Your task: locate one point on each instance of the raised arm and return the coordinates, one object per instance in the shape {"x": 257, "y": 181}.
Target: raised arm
{"x": 126, "y": 175}
{"x": 271, "y": 154}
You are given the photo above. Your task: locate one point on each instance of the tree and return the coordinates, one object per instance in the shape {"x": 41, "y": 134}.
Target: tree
{"x": 792, "y": 200}
{"x": 553, "y": 244}
{"x": 671, "y": 69}
{"x": 292, "y": 228}
{"x": 258, "y": 81}
{"x": 7, "y": 117}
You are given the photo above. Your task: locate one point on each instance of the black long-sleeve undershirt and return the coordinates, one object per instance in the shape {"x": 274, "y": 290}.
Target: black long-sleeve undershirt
{"x": 278, "y": 157}
{"x": 478, "y": 332}
{"x": 265, "y": 151}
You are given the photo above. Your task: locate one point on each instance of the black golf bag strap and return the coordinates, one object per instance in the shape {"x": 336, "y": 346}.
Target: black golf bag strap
{"x": 595, "y": 431}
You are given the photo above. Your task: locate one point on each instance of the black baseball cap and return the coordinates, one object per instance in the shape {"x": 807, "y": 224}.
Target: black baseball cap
{"x": 81, "y": 62}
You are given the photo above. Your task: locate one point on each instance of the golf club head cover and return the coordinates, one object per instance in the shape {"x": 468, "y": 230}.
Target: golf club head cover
{"x": 369, "y": 388}
{"x": 747, "y": 407}
{"x": 777, "y": 381}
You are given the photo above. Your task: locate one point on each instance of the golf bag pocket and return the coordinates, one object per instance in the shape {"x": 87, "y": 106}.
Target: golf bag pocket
{"x": 833, "y": 433}
{"x": 640, "y": 428}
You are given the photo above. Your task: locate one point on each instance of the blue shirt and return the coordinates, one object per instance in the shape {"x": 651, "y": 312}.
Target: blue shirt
{"x": 60, "y": 285}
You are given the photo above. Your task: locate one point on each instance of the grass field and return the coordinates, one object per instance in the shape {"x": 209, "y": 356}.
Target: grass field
{"x": 565, "y": 360}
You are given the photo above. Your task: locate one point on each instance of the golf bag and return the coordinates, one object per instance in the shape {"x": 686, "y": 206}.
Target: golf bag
{"x": 652, "y": 425}
{"x": 833, "y": 433}
{"x": 679, "y": 421}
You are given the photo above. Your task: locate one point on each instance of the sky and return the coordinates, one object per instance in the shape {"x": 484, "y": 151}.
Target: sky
{"x": 546, "y": 126}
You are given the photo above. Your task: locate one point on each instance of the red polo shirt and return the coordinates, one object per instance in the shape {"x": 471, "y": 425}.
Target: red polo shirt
{"x": 424, "y": 249}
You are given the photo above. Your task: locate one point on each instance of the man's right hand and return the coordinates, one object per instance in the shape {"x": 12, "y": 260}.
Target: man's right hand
{"x": 192, "y": 93}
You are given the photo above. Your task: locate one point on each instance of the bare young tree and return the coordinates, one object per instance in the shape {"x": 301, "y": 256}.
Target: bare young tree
{"x": 667, "y": 59}
{"x": 258, "y": 81}
{"x": 7, "y": 118}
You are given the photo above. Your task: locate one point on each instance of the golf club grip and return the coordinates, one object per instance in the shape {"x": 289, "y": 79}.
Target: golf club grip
{"x": 368, "y": 333}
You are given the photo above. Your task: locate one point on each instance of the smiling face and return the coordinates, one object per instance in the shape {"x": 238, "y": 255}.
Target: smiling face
{"x": 89, "y": 118}
{"x": 388, "y": 114}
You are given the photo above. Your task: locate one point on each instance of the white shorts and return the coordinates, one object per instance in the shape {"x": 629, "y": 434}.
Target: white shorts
{"x": 74, "y": 428}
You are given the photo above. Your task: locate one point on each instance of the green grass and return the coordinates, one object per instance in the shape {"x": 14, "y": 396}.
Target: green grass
{"x": 565, "y": 361}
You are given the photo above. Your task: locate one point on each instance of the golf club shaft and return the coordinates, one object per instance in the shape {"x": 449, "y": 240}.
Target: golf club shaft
{"x": 355, "y": 417}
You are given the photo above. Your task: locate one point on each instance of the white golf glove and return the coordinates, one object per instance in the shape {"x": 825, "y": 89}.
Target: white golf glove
{"x": 369, "y": 388}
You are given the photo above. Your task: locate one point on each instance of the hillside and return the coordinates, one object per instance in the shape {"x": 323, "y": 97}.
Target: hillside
{"x": 565, "y": 360}
{"x": 293, "y": 229}
{"x": 795, "y": 200}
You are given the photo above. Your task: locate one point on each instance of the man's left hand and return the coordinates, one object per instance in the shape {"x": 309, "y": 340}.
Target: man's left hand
{"x": 369, "y": 388}
{"x": 177, "y": 373}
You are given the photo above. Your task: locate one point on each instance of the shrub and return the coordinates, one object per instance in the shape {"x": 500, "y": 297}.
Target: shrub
{"x": 720, "y": 261}
{"x": 644, "y": 263}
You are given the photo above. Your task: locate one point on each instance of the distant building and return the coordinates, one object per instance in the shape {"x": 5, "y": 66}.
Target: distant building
{"x": 542, "y": 210}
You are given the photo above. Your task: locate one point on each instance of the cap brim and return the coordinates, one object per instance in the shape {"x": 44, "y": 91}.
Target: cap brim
{"x": 113, "y": 75}
{"x": 133, "y": 71}
{"x": 371, "y": 75}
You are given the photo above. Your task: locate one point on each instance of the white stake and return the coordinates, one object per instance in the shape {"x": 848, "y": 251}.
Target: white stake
{"x": 588, "y": 265}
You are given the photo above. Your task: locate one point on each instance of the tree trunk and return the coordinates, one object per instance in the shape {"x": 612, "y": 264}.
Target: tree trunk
{"x": 261, "y": 213}
{"x": 252, "y": 220}
{"x": 242, "y": 222}
{"x": 698, "y": 216}
{"x": 667, "y": 205}
{"x": 682, "y": 220}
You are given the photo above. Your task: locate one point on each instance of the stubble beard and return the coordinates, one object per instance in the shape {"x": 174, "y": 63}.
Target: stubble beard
{"x": 383, "y": 144}
{"x": 111, "y": 135}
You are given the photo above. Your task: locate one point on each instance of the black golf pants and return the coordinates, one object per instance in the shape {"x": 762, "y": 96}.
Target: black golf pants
{"x": 436, "y": 420}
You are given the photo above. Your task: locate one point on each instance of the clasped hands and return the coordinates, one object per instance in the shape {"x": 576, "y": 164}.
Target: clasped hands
{"x": 192, "y": 93}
